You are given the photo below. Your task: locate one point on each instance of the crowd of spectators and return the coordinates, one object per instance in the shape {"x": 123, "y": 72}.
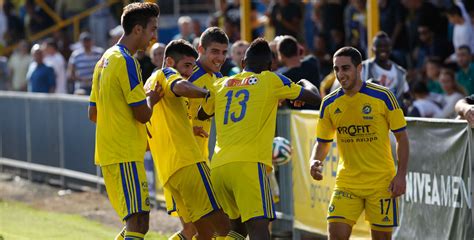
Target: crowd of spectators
{"x": 423, "y": 52}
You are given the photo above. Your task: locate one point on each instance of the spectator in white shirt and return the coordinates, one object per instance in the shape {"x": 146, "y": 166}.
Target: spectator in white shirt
{"x": 422, "y": 106}
{"x": 18, "y": 66}
{"x": 453, "y": 93}
{"x": 54, "y": 59}
{"x": 463, "y": 33}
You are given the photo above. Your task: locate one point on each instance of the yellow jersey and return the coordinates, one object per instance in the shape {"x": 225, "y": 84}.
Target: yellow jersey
{"x": 202, "y": 79}
{"x": 116, "y": 87}
{"x": 245, "y": 107}
{"x": 361, "y": 125}
{"x": 171, "y": 137}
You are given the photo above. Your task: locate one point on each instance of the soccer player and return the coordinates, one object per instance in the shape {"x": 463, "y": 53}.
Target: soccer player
{"x": 212, "y": 50}
{"x": 245, "y": 107}
{"x": 120, "y": 107}
{"x": 181, "y": 167}
{"x": 360, "y": 114}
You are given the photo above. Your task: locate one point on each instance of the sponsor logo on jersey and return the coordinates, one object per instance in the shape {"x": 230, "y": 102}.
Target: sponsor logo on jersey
{"x": 233, "y": 82}
{"x": 354, "y": 130}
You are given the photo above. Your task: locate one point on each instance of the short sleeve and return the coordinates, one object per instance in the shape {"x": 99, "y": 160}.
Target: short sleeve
{"x": 284, "y": 88}
{"x": 95, "y": 85}
{"x": 171, "y": 77}
{"x": 72, "y": 59}
{"x": 208, "y": 104}
{"x": 325, "y": 130}
{"x": 396, "y": 119}
{"x": 130, "y": 81}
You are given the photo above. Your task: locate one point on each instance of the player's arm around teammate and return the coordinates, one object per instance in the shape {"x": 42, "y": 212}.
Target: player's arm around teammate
{"x": 245, "y": 194}
{"x": 178, "y": 160}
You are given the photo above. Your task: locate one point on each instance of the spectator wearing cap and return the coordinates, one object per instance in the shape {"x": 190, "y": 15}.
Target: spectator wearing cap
{"x": 54, "y": 59}
{"x": 40, "y": 77}
{"x": 81, "y": 64}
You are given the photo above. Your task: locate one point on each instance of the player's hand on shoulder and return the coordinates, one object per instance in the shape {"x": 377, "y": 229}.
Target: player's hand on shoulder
{"x": 154, "y": 93}
{"x": 316, "y": 169}
{"x": 199, "y": 131}
{"x": 298, "y": 103}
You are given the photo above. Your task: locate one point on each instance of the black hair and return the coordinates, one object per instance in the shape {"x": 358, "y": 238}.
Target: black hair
{"x": 420, "y": 87}
{"x": 465, "y": 47}
{"x": 288, "y": 46}
{"x": 138, "y": 13}
{"x": 258, "y": 56}
{"x": 213, "y": 34}
{"x": 434, "y": 60}
{"x": 176, "y": 49}
{"x": 353, "y": 53}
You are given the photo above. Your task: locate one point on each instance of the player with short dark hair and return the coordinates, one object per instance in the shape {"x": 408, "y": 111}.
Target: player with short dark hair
{"x": 359, "y": 115}
{"x": 181, "y": 168}
{"x": 120, "y": 106}
{"x": 245, "y": 107}
{"x": 212, "y": 49}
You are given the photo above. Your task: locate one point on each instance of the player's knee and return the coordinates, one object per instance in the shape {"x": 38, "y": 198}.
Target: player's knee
{"x": 380, "y": 235}
{"x": 339, "y": 231}
{"x": 138, "y": 222}
{"x": 189, "y": 229}
{"x": 258, "y": 228}
{"x": 222, "y": 223}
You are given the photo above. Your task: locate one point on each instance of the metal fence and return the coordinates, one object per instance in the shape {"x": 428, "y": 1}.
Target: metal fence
{"x": 49, "y": 137}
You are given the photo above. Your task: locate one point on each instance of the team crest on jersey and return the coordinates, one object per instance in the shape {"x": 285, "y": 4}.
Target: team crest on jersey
{"x": 331, "y": 208}
{"x": 104, "y": 62}
{"x": 366, "y": 109}
{"x": 233, "y": 82}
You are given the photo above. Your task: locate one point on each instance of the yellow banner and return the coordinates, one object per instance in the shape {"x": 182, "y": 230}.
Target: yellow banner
{"x": 311, "y": 198}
